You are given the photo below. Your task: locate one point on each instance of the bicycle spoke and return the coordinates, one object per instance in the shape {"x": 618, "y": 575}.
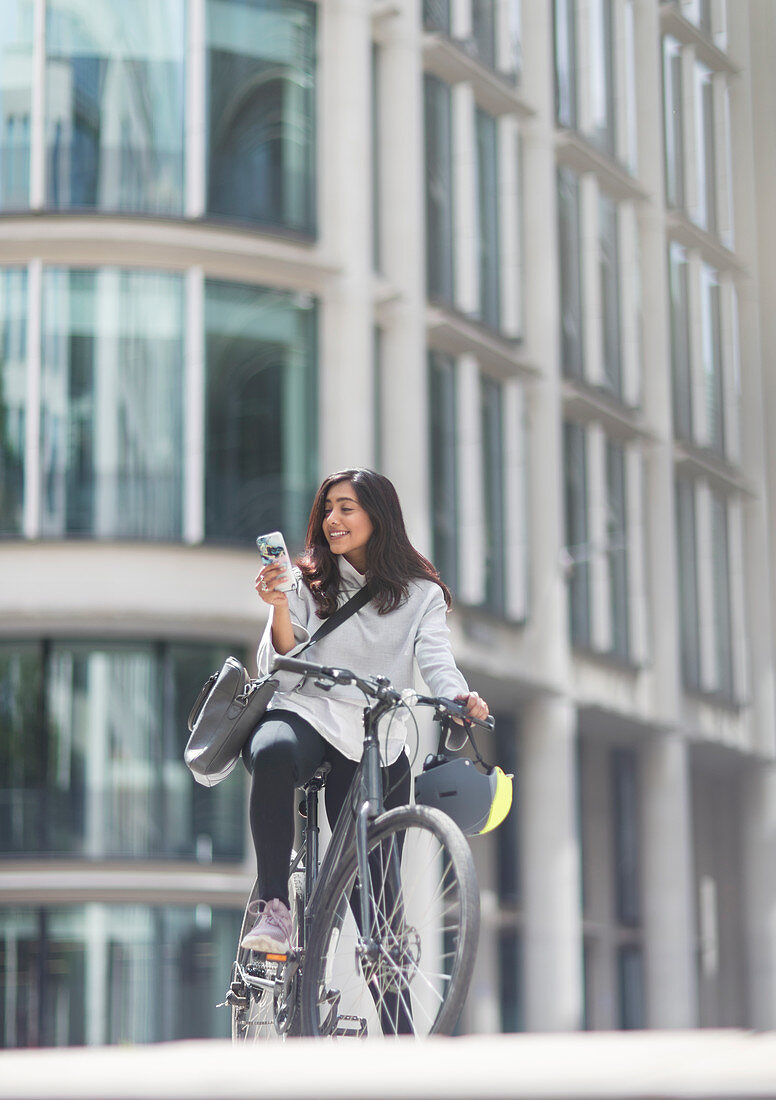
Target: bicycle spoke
{"x": 402, "y": 976}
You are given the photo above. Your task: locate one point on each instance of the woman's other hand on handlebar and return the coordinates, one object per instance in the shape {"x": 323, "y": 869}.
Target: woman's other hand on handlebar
{"x": 476, "y": 706}
{"x": 265, "y": 585}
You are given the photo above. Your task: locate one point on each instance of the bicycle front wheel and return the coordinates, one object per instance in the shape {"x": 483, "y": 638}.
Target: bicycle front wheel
{"x": 411, "y": 972}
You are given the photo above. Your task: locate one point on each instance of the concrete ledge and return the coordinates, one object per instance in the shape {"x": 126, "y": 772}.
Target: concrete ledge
{"x": 724, "y": 1065}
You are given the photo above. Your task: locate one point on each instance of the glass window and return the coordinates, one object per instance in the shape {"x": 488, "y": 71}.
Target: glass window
{"x": 115, "y": 90}
{"x": 439, "y": 191}
{"x": 510, "y": 979}
{"x": 609, "y": 274}
{"x": 630, "y": 975}
{"x": 673, "y": 123}
{"x": 602, "y": 89}
{"x": 484, "y": 31}
{"x": 97, "y": 973}
{"x": 566, "y": 63}
{"x": 13, "y": 382}
{"x": 16, "y": 28}
{"x": 617, "y": 547}
{"x": 508, "y": 833}
{"x": 112, "y": 404}
{"x": 443, "y": 434}
{"x": 680, "y": 341}
{"x": 91, "y": 754}
{"x": 570, "y": 264}
{"x": 261, "y": 111}
{"x": 436, "y": 15}
{"x": 625, "y": 800}
{"x": 575, "y": 455}
{"x": 711, "y": 343}
{"x": 261, "y": 402}
{"x": 720, "y": 565}
{"x": 488, "y": 219}
{"x": 688, "y": 581}
{"x": 707, "y": 182}
{"x": 493, "y": 494}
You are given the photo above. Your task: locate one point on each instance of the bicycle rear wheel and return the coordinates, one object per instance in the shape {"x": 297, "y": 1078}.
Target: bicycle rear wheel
{"x": 412, "y": 973}
{"x": 259, "y": 1013}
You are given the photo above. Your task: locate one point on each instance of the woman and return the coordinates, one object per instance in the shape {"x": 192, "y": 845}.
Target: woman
{"x": 355, "y": 536}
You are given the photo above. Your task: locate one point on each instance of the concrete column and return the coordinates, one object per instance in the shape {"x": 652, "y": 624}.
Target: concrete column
{"x": 551, "y": 872}
{"x": 759, "y": 855}
{"x": 668, "y": 877}
{"x": 346, "y": 232}
{"x": 404, "y": 394}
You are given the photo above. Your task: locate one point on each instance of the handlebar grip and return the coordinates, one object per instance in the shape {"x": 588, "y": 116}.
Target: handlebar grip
{"x": 291, "y": 664}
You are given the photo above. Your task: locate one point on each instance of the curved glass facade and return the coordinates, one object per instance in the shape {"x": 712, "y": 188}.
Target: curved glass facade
{"x": 100, "y": 453}
{"x": 261, "y": 110}
{"x": 123, "y": 127}
{"x": 91, "y": 754}
{"x": 15, "y": 103}
{"x": 260, "y": 458}
{"x": 76, "y": 975}
{"x": 111, "y": 440}
{"x": 114, "y": 105}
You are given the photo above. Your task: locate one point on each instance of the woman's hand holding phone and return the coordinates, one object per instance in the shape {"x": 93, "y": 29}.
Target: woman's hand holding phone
{"x": 266, "y": 581}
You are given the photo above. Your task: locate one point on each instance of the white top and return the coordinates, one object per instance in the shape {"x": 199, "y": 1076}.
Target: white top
{"x": 368, "y": 644}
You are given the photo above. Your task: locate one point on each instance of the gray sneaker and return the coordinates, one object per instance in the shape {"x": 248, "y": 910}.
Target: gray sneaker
{"x": 273, "y": 930}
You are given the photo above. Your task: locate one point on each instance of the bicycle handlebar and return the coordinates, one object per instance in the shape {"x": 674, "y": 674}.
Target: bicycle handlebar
{"x": 381, "y": 689}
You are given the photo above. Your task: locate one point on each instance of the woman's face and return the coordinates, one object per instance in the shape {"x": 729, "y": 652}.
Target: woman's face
{"x": 346, "y": 525}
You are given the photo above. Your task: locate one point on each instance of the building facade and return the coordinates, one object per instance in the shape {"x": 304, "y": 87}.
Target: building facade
{"x": 507, "y": 253}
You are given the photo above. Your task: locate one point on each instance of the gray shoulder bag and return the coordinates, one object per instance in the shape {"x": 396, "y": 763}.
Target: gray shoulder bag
{"x": 230, "y": 706}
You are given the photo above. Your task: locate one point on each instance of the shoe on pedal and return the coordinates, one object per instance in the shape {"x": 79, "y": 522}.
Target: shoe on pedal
{"x": 273, "y": 930}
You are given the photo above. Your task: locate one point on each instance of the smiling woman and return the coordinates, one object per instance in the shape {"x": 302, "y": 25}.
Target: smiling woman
{"x": 355, "y": 538}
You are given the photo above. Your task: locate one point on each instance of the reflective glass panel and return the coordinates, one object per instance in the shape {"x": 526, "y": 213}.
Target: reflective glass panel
{"x": 617, "y": 547}
{"x": 436, "y": 15}
{"x": 261, "y": 111}
{"x": 565, "y": 27}
{"x": 687, "y": 560}
{"x": 575, "y": 458}
{"x": 91, "y": 754}
{"x": 711, "y": 344}
{"x": 488, "y": 219}
{"x": 112, "y": 404}
{"x": 602, "y": 91}
{"x": 720, "y": 565}
{"x": 114, "y": 105}
{"x": 13, "y": 382}
{"x": 439, "y": 190}
{"x": 570, "y": 264}
{"x": 16, "y": 25}
{"x": 443, "y": 435}
{"x": 609, "y": 275}
{"x": 97, "y": 973}
{"x": 680, "y": 340}
{"x": 493, "y": 494}
{"x": 260, "y": 448}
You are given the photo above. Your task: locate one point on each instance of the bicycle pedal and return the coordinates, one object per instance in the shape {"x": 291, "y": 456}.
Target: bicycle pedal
{"x": 355, "y": 1030}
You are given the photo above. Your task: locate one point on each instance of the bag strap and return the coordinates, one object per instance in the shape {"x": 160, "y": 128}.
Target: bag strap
{"x": 350, "y": 607}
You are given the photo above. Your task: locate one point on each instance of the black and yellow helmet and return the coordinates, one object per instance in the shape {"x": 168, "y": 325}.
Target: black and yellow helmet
{"x": 476, "y": 801}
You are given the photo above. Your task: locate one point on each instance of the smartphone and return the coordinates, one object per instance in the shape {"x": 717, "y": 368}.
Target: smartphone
{"x": 273, "y": 551}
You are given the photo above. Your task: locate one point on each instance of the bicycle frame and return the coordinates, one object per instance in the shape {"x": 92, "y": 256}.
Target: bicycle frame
{"x": 350, "y": 828}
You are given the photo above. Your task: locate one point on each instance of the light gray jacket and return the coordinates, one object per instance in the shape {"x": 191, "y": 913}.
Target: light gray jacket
{"x": 369, "y": 644}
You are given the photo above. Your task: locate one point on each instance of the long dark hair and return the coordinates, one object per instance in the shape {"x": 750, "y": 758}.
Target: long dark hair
{"x": 391, "y": 559}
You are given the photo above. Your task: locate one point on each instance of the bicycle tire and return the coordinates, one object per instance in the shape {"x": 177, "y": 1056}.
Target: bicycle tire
{"x": 434, "y": 921}
{"x": 262, "y": 1015}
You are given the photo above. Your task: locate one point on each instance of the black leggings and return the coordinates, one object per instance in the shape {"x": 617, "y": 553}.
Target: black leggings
{"x": 283, "y": 755}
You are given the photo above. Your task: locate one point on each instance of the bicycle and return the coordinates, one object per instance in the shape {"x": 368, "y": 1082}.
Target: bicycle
{"x": 393, "y": 958}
